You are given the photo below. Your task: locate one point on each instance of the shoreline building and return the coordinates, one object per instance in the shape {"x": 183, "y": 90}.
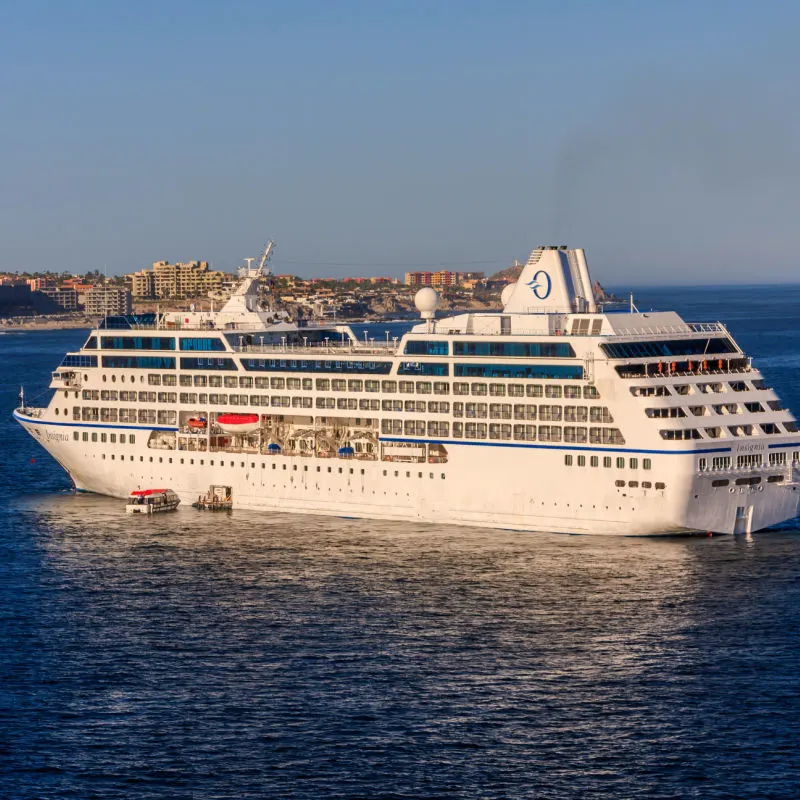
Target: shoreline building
{"x": 442, "y": 278}
{"x": 176, "y": 281}
{"x": 65, "y": 297}
{"x": 108, "y": 301}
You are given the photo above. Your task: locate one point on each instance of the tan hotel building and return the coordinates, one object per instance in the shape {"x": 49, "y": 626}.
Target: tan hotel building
{"x": 176, "y": 281}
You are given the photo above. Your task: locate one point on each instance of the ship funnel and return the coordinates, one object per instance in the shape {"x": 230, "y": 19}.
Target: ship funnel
{"x": 555, "y": 280}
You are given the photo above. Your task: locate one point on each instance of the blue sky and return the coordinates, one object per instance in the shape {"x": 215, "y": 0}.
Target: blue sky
{"x": 370, "y": 137}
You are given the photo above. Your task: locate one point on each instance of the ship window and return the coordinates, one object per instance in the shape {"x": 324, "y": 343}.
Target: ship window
{"x": 647, "y": 485}
{"x": 649, "y": 391}
{"x": 661, "y": 486}
{"x": 85, "y": 436}
{"x": 214, "y": 363}
{"x": 423, "y": 347}
{"x": 432, "y": 368}
{"x": 204, "y": 344}
{"x": 669, "y": 348}
{"x": 607, "y": 461}
{"x": 634, "y": 463}
{"x": 619, "y": 483}
{"x": 775, "y": 479}
{"x": 75, "y": 435}
{"x": 307, "y": 365}
{"x": 595, "y": 461}
{"x": 514, "y": 349}
{"x": 137, "y": 343}
{"x": 548, "y": 371}
{"x": 138, "y": 362}
{"x": 79, "y": 361}
{"x": 633, "y": 484}
{"x": 620, "y": 463}
{"x": 647, "y": 463}
{"x": 721, "y": 482}
{"x": 581, "y": 461}
{"x": 568, "y": 460}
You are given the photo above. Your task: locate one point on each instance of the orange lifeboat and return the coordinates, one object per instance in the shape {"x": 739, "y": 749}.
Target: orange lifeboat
{"x": 197, "y": 423}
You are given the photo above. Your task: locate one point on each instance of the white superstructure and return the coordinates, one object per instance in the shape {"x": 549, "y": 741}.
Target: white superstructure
{"x": 550, "y": 415}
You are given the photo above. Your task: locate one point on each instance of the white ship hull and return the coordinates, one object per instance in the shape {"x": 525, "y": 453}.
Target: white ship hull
{"x": 495, "y": 486}
{"x": 548, "y": 416}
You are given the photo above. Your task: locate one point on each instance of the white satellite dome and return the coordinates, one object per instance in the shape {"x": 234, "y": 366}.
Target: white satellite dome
{"x": 427, "y": 301}
{"x": 507, "y": 292}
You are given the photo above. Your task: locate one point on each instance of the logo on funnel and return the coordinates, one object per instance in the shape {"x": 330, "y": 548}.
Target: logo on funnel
{"x": 541, "y": 285}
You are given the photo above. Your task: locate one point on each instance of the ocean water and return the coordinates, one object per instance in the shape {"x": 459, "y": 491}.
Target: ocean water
{"x": 258, "y": 655}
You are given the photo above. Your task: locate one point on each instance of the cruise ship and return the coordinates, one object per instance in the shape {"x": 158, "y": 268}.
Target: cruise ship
{"x": 550, "y": 415}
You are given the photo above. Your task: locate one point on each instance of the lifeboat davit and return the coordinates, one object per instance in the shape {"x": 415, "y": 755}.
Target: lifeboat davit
{"x": 238, "y": 423}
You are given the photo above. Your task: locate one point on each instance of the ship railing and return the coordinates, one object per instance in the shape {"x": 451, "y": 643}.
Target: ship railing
{"x": 29, "y": 411}
{"x": 680, "y": 331}
{"x": 729, "y": 370}
{"x": 65, "y": 380}
{"x": 349, "y": 346}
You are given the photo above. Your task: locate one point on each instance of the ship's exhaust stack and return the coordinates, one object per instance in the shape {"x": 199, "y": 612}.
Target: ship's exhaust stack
{"x": 555, "y": 280}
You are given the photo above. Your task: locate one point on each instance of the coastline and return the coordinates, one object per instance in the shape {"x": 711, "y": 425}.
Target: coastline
{"x": 11, "y": 324}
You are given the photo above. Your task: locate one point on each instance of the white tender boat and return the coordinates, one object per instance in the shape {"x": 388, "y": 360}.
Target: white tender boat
{"x": 152, "y": 501}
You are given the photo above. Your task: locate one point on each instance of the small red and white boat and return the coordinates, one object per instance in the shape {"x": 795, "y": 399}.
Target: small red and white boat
{"x": 197, "y": 423}
{"x": 238, "y": 423}
{"x": 152, "y": 501}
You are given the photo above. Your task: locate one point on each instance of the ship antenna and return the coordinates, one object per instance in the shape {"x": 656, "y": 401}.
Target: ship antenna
{"x": 633, "y": 306}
